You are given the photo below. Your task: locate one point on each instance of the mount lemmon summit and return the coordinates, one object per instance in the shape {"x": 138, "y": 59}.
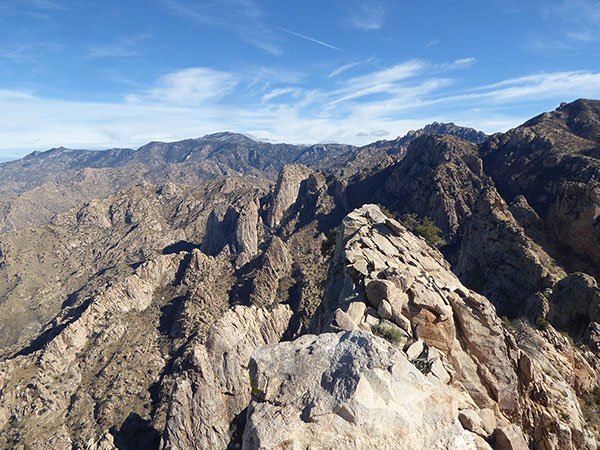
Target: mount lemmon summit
{"x": 435, "y": 291}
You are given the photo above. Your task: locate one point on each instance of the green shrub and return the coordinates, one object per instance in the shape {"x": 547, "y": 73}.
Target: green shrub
{"x": 423, "y": 227}
{"x": 390, "y": 334}
{"x": 590, "y": 406}
{"x": 542, "y": 324}
{"x": 410, "y": 221}
{"x": 428, "y": 231}
{"x": 422, "y": 365}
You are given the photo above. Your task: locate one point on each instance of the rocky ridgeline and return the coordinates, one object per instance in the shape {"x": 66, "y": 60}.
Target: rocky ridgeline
{"x": 351, "y": 390}
{"x": 39, "y": 387}
{"x": 386, "y": 281}
{"x": 135, "y": 349}
{"x": 211, "y": 396}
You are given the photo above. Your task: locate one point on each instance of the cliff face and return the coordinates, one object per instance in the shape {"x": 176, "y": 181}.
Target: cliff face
{"x": 246, "y": 313}
{"x": 440, "y": 177}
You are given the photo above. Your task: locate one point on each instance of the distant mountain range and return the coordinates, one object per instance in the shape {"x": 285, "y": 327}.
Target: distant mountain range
{"x": 53, "y": 181}
{"x": 218, "y": 152}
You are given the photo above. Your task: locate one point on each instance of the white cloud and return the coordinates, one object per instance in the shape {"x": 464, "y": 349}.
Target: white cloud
{"x": 195, "y": 101}
{"x": 379, "y": 133}
{"x": 278, "y": 93}
{"x": 460, "y": 63}
{"x": 6, "y": 94}
{"x": 339, "y": 70}
{"x": 111, "y": 51}
{"x": 27, "y": 52}
{"x": 366, "y": 15}
{"x": 574, "y": 21}
{"x": 545, "y": 85}
{"x": 124, "y": 47}
{"x": 193, "y": 86}
{"x": 381, "y": 81}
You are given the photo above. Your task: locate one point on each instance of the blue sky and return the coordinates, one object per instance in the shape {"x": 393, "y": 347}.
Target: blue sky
{"x": 100, "y": 74}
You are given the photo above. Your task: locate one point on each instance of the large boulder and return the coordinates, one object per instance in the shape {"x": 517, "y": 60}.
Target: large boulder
{"x": 455, "y": 335}
{"x": 573, "y": 219}
{"x": 348, "y": 390}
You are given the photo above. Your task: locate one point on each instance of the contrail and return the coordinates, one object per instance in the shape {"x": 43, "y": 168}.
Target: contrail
{"x": 325, "y": 44}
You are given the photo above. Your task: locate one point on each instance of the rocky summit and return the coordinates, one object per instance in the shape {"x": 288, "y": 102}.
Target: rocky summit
{"x": 435, "y": 291}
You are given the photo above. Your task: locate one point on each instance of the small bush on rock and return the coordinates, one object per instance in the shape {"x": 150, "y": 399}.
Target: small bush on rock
{"x": 390, "y": 334}
{"x": 542, "y": 324}
{"x": 423, "y": 227}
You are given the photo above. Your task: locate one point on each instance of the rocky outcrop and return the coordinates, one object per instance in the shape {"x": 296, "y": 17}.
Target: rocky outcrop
{"x": 377, "y": 261}
{"x": 573, "y": 219}
{"x": 133, "y": 294}
{"x": 136, "y": 316}
{"x": 399, "y": 145}
{"x": 286, "y": 191}
{"x": 276, "y": 264}
{"x": 525, "y": 214}
{"x": 551, "y": 373}
{"x": 574, "y": 303}
{"x": 207, "y": 406}
{"x": 233, "y": 228}
{"x": 349, "y": 390}
{"x": 498, "y": 259}
{"x": 538, "y": 157}
{"x": 440, "y": 177}
{"x": 450, "y": 332}
{"x": 246, "y": 233}
{"x": 58, "y": 378}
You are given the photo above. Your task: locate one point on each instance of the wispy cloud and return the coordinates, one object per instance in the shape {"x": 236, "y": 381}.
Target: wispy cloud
{"x": 195, "y": 101}
{"x": 459, "y": 63}
{"x": 243, "y": 17}
{"x": 580, "y": 83}
{"x": 278, "y": 93}
{"x": 308, "y": 38}
{"x": 263, "y": 78}
{"x": 124, "y": 47}
{"x": 118, "y": 51}
{"x": 366, "y": 15}
{"x": 189, "y": 87}
{"x": 432, "y": 43}
{"x": 28, "y": 52}
{"x": 339, "y": 70}
{"x": 380, "y": 81}
{"x": 6, "y": 94}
